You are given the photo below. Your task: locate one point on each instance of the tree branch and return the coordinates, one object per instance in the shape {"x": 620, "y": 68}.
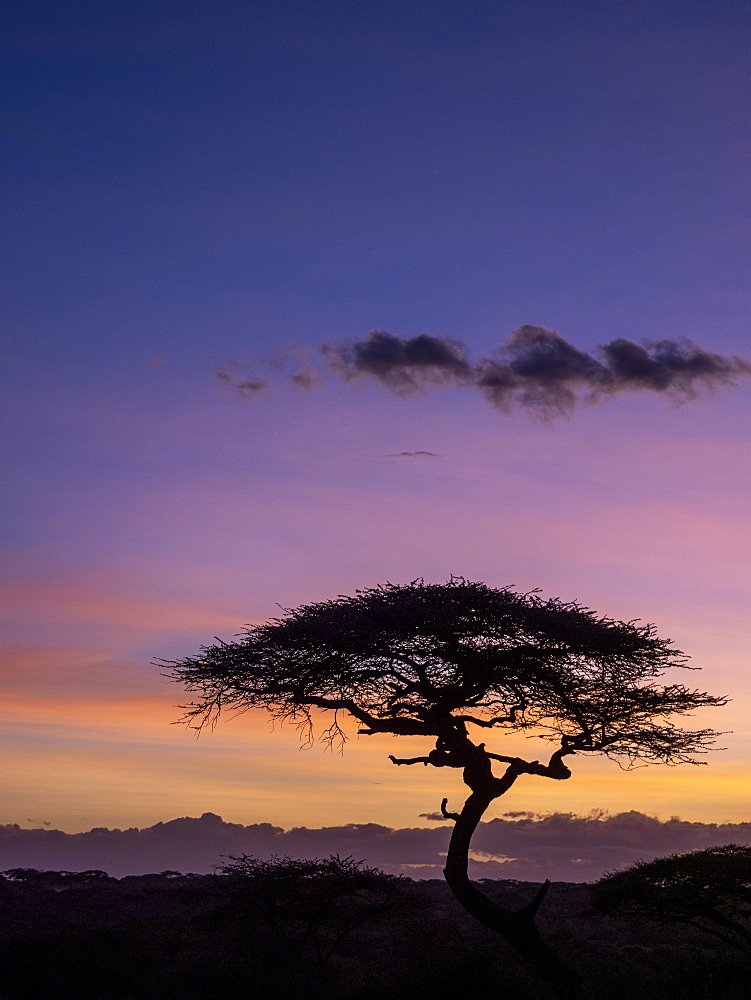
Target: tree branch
{"x": 399, "y": 727}
{"x": 534, "y": 904}
{"x": 507, "y": 760}
{"x": 496, "y": 720}
{"x": 445, "y": 813}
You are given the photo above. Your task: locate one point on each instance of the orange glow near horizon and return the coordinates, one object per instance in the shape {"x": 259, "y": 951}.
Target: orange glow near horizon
{"x": 78, "y": 755}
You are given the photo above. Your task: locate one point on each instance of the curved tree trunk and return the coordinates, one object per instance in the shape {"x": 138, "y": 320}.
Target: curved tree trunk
{"x": 515, "y": 926}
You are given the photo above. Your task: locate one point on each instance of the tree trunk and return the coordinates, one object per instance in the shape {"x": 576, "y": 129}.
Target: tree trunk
{"x": 515, "y": 926}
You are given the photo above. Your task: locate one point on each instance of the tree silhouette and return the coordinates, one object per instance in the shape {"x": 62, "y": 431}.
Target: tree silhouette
{"x": 709, "y": 890}
{"x": 304, "y": 911}
{"x": 442, "y": 661}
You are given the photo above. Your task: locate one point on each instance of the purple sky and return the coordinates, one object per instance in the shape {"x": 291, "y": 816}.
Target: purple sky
{"x": 200, "y": 196}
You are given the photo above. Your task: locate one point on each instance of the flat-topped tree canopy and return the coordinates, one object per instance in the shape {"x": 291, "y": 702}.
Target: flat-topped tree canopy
{"x": 430, "y": 660}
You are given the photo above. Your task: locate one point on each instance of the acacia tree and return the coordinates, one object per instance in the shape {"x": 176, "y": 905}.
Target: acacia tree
{"x": 709, "y": 890}
{"x": 447, "y": 662}
{"x": 303, "y": 911}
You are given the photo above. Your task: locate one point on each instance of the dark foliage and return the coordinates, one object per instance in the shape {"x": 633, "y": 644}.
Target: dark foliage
{"x": 709, "y": 890}
{"x": 423, "y": 658}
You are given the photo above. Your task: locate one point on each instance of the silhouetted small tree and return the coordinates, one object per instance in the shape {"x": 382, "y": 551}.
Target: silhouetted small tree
{"x": 310, "y": 907}
{"x": 709, "y": 890}
{"x": 442, "y": 661}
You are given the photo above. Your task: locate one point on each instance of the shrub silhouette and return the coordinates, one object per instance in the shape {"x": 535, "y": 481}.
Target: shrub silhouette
{"x": 306, "y": 911}
{"x": 709, "y": 890}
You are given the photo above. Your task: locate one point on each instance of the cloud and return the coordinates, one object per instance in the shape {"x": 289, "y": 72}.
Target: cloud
{"x": 535, "y": 370}
{"x": 673, "y": 366}
{"x": 306, "y": 378}
{"x": 413, "y": 454}
{"x": 561, "y": 846}
{"x": 404, "y": 365}
{"x": 243, "y": 387}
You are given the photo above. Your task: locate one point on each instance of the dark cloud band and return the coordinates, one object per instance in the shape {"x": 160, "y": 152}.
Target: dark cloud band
{"x": 535, "y": 370}
{"x": 560, "y": 846}
{"x": 404, "y": 365}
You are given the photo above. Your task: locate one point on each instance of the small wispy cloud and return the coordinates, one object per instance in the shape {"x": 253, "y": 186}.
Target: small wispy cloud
{"x": 243, "y": 387}
{"x": 413, "y": 454}
{"x": 535, "y": 370}
{"x": 307, "y": 376}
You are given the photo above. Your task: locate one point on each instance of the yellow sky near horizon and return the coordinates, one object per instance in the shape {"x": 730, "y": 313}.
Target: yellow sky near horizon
{"x": 79, "y": 759}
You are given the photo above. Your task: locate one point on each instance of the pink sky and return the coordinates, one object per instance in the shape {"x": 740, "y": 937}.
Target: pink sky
{"x": 633, "y": 524}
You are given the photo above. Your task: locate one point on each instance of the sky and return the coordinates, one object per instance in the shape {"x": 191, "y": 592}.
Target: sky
{"x": 542, "y": 212}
